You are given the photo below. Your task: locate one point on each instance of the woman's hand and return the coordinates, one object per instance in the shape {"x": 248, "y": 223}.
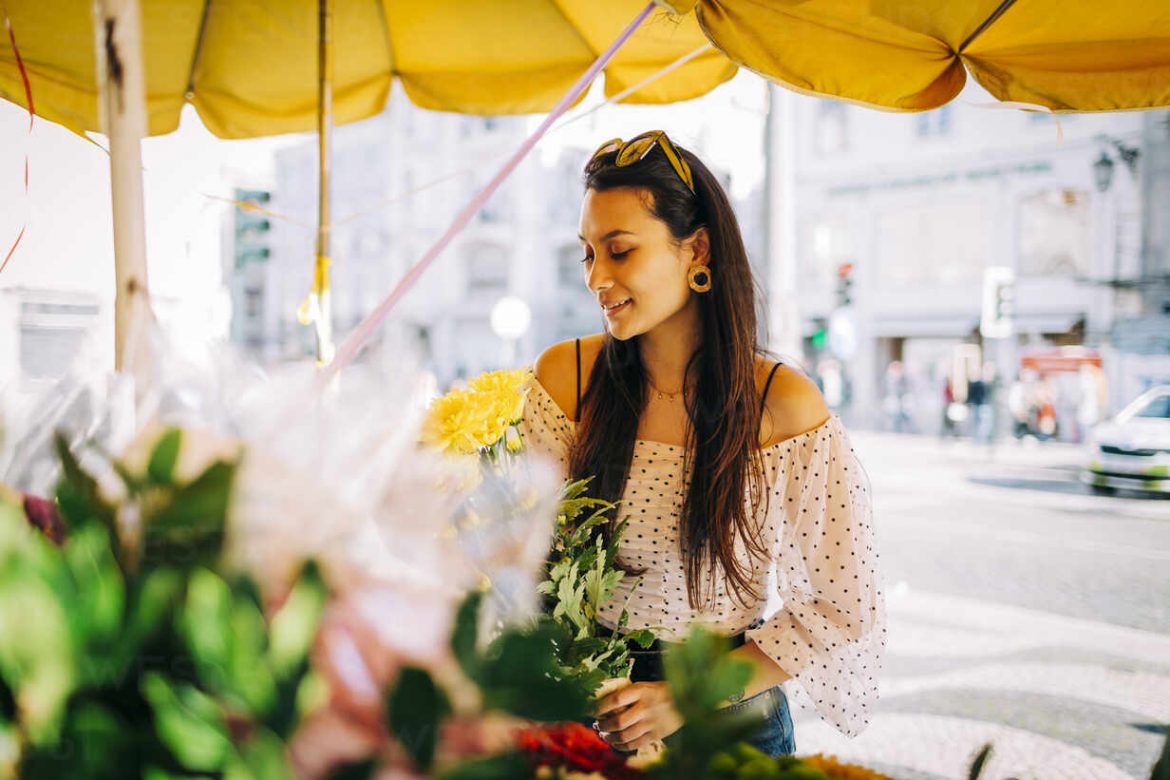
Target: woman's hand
{"x": 637, "y": 715}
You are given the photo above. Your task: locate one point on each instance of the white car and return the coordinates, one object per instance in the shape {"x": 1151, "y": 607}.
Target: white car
{"x": 1132, "y": 450}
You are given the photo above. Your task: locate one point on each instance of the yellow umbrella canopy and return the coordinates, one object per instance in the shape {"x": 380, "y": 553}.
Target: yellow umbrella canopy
{"x": 912, "y": 55}
{"x": 250, "y": 66}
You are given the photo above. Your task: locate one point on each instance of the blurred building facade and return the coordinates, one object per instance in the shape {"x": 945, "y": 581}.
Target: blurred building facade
{"x": 904, "y": 214}
{"x": 399, "y": 179}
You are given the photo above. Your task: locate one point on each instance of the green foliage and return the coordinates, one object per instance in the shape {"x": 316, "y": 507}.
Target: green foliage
{"x": 163, "y": 457}
{"x": 414, "y": 709}
{"x": 189, "y": 722}
{"x": 135, "y": 657}
{"x": 979, "y": 762}
{"x": 742, "y": 761}
{"x": 702, "y": 675}
{"x": 518, "y": 671}
{"x": 506, "y": 766}
{"x": 582, "y": 574}
{"x": 1161, "y": 769}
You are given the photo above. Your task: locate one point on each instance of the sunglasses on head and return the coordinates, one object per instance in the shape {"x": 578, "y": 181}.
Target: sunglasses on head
{"x": 636, "y": 149}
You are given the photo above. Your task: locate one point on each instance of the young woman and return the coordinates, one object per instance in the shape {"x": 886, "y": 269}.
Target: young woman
{"x": 741, "y": 492}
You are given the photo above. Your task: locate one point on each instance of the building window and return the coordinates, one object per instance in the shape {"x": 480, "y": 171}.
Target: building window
{"x": 51, "y": 334}
{"x": 945, "y": 243}
{"x": 570, "y": 271}
{"x": 487, "y": 270}
{"x": 934, "y": 123}
{"x": 832, "y": 130}
{"x": 47, "y": 353}
{"x": 253, "y": 301}
{"x": 1054, "y": 235}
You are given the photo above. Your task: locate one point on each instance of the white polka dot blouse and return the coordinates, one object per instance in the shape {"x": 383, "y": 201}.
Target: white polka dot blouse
{"x": 821, "y": 617}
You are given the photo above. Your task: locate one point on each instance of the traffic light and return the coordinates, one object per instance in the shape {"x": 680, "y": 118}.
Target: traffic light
{"x": 844, "y": 284}
{"x": 252, "y": 227}
{"x": 819, "y": 338}
{"x": 998, "y": 303}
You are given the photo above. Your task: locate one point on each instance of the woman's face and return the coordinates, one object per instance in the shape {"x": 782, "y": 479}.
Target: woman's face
{"x": 633, "y": 266}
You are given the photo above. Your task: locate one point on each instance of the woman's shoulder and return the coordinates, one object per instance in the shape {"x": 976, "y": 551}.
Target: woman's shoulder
{"x": 793, "y": 405}
{"x": 556, "y": 370}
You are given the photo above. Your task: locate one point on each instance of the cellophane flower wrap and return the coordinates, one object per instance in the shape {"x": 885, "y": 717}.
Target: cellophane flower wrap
{"x": 303, "y": 564}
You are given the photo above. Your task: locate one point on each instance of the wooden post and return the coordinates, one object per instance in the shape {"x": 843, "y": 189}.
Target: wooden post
{"x": 123, "y": 104}
{"x": 321, "y": 284}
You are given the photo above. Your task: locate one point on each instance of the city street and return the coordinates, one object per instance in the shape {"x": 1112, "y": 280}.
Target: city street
{"x": 1023, "y": 612}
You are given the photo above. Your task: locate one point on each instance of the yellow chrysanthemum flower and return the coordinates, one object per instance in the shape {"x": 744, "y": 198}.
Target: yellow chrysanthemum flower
{"x": 503, "y": 391}
{"x": 449, "y": 422}
{"x": 465, "y": 421}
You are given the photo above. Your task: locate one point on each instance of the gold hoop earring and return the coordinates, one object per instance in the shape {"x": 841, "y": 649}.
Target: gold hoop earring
{"x": 699, "y": 277}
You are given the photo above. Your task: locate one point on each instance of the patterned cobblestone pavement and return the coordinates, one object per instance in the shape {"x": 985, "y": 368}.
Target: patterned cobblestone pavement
{"x": 1058, "y": 698}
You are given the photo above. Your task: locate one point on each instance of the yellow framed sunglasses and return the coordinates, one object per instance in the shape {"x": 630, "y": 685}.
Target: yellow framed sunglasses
{"x": 636, "y": 149}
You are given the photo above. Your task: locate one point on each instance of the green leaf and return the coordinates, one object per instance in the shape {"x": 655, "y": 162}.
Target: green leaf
{"x": 189, "y": 529}
{"x": 465, "y": 637}
{"x": 1162, "y": 768}
{"x": 78, "y": 496}
{"x": 312, "y": 694}
{"x": 415, "y": 710}
{"x": 643, "y": 637}
{"x": 249, "y": 679}
{"x": 508, "y": 766}
{"x": 262, "y": 757}
{"x": 39, "y": 652}
{"x": 227, "y": 637}
{"x": 161, "y": 468}
{"x": 100, "y": 589}
{"x": 153, "y": 600}
{"x": 295, "y": 625}
{"x": 205, "y": 623}
{"x": 979, "y": 762}
{"x": 521, "y": 674}
{"x": 701, "y": 672}
{"x": 101, "y": 736}
{"x": 571, "y": 601}
{"x": 701, "y": 675}
{"x": 582, "y": 533}
{"x": 189, "y": 722}
{"x": 600, "y": 584}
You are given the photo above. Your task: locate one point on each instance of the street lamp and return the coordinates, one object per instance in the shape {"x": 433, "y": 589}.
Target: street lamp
{"x": 1103, "y": 167}
{"x": 1103, "y": 172}
{"x": 510, "y": 320}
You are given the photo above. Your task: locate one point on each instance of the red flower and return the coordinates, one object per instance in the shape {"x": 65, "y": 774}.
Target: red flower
{"x": 43, "y": 516}
{"x": 577, "y": 747}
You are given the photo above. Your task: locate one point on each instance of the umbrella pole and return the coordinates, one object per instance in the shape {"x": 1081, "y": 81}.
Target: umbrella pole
{"x": 321, "y": 285}
{"x": 123, "y": 105}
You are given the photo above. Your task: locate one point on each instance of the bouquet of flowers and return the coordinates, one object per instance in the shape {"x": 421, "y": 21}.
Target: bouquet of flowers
{"x": 247, "y": 584}
{"x": 482, "y": 422}
{"x": 236, "y": 577}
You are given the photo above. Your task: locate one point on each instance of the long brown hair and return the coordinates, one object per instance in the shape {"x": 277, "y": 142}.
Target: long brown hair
{"x": 722, "y": 446}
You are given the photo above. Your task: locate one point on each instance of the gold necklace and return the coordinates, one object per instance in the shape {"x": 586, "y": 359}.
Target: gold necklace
{"x": 669, "y": 397}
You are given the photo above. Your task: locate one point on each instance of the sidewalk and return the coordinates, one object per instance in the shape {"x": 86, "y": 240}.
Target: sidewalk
{"x": 1059, "y": 698}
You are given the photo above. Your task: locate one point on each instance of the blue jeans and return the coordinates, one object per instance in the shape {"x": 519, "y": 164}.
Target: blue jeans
{"x": 775, "y": 737}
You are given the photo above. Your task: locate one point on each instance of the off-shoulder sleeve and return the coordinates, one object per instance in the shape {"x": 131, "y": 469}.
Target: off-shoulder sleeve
{"x": 545, "y": 428}
{"x": 830, "y": 632}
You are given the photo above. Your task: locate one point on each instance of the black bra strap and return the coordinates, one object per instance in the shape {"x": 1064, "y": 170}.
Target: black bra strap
{"x": 767, "y": 384}
{"x": 578, "y": 410}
